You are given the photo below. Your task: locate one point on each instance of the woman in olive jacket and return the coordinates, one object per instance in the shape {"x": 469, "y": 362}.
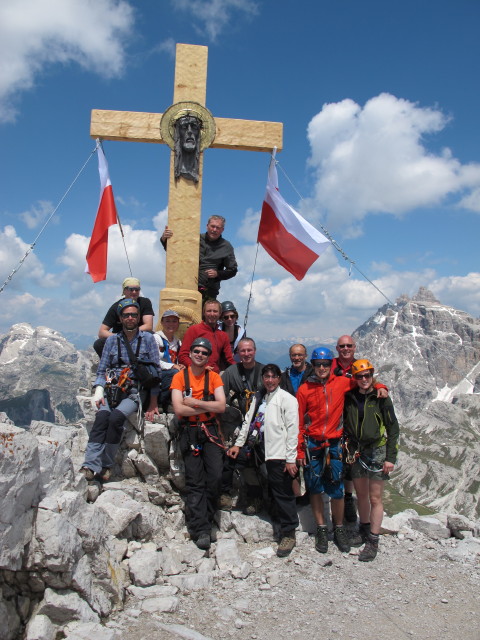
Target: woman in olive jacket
{"x": 371, "y": 443}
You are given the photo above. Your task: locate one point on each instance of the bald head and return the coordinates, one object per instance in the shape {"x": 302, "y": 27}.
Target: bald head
{"x": 346, "y": 349}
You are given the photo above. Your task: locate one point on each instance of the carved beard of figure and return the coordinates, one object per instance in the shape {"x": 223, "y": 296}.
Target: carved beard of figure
{"x": 187, "y": 147}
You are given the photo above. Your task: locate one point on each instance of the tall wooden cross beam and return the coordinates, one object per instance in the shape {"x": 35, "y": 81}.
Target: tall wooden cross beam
{"x": 185, "y": 196}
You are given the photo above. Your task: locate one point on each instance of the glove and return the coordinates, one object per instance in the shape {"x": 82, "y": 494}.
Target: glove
{"x": 98, "y": 395}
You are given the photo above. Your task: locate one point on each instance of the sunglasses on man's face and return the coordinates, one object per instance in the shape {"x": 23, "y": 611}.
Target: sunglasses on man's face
{"x": 129, "y": 315}
{"x": 133, "y": 288}
{"x": 344, "y": 346}
{"x": 200, "y": 352}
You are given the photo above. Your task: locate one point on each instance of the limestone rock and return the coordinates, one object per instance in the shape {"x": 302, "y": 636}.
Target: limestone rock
{"x": 144, "y": 566}
{"x": 120, "y": 509}
{"x": 41, "y": 627}
{"x": 19, "y": 488}
{"x": 157, "y": 439}
{"x": 64, "y": 606}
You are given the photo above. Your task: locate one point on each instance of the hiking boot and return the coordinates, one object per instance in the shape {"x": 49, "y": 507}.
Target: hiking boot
{"x": 105, "y": 475}
{"x": 254, "y": 507}
{"x": 355, "y": 538}
{"x": 203, "y": 541}
{"x": 340, "y": 538}
{"x": 321, "y": 539}
{"x": 370, "y": 550}
{"x": 286, "y": 544}
{"x": 350, "y": 510}
{"x": 88, "y": 473}
{"x": 225, "y": 502}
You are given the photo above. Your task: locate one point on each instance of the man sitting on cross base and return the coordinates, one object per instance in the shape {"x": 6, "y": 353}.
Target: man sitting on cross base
{"x": 217, "y": 260}
{"x": 111, "y": 323}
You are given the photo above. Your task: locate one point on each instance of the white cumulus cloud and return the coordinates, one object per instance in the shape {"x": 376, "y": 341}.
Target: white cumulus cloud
{"x": 37, "y": 33}
{"x": 213, "y": 16}
{"x": 375, "y": 159}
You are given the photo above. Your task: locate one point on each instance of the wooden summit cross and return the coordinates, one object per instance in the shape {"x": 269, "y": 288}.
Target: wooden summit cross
{"x": 185, "y": 196}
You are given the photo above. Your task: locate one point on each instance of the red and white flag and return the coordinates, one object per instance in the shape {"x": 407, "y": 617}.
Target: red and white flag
{"x": 284, "y": 234}
{"x": 106, "y": 216}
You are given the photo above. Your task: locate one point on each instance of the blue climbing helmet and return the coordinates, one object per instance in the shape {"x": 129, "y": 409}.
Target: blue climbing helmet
{"x": 321, "y": 353}
{"x": 126, "y": 302}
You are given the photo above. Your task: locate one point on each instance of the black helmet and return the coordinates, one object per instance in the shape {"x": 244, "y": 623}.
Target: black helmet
{"x": 202, "y": 342}
{"x": 126, "y": 302}
{"x": 228, "y": 306}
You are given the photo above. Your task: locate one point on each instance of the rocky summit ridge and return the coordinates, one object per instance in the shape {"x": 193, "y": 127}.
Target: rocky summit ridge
{"x": 429, "y": 356}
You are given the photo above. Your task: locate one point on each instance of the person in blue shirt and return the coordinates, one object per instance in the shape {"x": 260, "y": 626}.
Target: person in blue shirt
{"x": 295, "y": 375}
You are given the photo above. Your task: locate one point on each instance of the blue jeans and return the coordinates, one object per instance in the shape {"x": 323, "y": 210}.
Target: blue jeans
{"x": 316, "y": 477}
{"x": 106, "y": 434}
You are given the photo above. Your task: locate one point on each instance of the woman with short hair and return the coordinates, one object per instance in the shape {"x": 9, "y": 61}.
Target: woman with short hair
{"x": 272, "y": 420}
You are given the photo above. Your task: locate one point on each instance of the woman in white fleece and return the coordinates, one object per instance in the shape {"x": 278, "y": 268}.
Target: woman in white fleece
{"x": 272, "y": 422}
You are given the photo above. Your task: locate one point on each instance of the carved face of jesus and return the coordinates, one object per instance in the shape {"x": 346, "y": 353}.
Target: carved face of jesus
{"x": 189, "y": 131}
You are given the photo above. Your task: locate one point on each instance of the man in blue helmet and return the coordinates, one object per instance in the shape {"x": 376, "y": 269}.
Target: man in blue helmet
{"x": 117, "y": 390}
{"x": 320, "y": 444}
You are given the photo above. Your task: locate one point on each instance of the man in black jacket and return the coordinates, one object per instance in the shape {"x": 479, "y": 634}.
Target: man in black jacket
{"x": 216, "y": 260}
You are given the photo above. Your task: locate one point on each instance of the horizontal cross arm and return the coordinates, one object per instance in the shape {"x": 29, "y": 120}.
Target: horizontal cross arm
{"x": 137, "y": 126}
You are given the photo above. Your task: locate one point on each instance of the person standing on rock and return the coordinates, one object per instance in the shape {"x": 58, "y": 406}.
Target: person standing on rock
{"x": 197, "y": 398}
{"x": 371, "y": 441}
{"x": 320, "y": 445}
{"x": 271, "y": 424}
{"x": 342, "y": 366}
{"x": 117, "y": 390}
{"x": 240, "y": 382}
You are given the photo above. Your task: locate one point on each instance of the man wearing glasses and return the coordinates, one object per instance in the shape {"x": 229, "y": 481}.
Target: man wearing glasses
{"x": 320, "y": 444}
{"x": 111, "y": 323}
{"x": 116, "y": 389}
{"x": 197, "y": 398}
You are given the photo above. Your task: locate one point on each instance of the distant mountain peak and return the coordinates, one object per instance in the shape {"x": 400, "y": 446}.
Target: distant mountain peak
{"x": 425, "y": 295}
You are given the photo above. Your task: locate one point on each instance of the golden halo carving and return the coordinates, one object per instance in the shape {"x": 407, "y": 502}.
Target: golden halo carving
{"x": 181, "y": 109}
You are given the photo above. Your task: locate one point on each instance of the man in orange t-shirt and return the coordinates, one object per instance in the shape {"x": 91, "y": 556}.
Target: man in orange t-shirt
{"x": 197, "y": 396}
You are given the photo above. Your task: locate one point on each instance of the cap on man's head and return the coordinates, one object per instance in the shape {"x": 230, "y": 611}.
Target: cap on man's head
{"x": 130, "y": 282}
{"x": 126, "y": 302}
{"x": 170, "y": 312}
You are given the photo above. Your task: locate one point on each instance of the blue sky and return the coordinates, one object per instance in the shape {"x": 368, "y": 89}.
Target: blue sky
{"x": 380, "y": 105}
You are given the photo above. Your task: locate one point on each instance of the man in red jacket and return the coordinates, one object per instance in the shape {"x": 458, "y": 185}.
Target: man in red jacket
{"x": 321, "y": 396}
{"x": 212, "y": 310}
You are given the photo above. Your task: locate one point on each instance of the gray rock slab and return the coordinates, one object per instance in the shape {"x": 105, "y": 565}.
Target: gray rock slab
{"x": 64, "y": 606}
{"x": 144, "y": 566}
{"x": 168, "y": 604}
{"x": 120, "y": 509}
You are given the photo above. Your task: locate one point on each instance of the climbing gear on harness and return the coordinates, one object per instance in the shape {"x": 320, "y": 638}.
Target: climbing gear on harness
{"x": 146, "y": 373}
{"x": 321, "y": 539}
{"x": 197, "y": 431}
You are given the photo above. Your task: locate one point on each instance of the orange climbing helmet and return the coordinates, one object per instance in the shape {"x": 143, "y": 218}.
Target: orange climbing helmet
{"x": 362, "y": 365}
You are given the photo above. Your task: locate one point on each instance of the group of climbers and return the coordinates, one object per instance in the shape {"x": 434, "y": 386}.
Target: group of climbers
{"x": 328, "y": 419}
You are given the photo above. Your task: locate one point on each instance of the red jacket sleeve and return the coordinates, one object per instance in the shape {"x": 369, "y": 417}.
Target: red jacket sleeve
{"x": 302, "y": 407}
{"x": 183, "y": 355}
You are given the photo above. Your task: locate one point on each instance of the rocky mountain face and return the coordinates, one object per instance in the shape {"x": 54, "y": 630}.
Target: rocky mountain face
{"x": 429, "y": 356}
{"x": 41, "y": 375}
